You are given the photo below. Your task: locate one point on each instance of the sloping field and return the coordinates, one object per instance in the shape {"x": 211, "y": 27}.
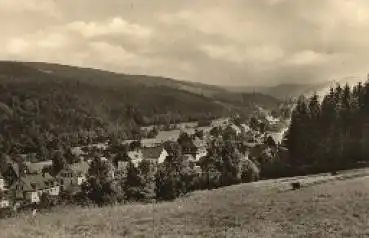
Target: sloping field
{"x": 325, "y": 206}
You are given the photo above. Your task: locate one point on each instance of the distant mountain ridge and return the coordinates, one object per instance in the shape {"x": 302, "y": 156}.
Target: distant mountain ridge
{"x": 97, "y": 75}
{"x": 41, "y": 101}
{"x": 293, "y": 90}
{"x": 281, "y": 91}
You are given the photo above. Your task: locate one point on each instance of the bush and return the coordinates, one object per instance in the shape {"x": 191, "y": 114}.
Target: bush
{"x": 140, "y": 182}
{"x": 249, "y": 171}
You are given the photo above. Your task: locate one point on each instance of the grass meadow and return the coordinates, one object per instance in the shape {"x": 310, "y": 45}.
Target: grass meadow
{"x": 325, "y": 206}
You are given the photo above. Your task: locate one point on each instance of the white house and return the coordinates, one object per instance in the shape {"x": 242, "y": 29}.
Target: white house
{"x": 155, "y": 156}
{"x": 2, "y": 184}
{"x": 4, "y": 202}
{"x": 201, "y": 148}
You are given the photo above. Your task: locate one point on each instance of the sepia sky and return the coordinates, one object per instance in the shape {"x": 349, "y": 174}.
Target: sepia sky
{"x": 228, "y": 42}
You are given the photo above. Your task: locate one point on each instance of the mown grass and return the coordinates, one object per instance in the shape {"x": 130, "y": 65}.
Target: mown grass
{"x": 324, "y": 207}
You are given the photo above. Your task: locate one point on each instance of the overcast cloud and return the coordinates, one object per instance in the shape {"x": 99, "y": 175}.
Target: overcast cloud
{"x": 233, "y": 42}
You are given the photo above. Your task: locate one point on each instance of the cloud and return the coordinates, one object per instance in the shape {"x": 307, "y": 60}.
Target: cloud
{"x": 113, "y": 26}
{"x": 308, "y": 57}
{"x": 212, "y": 21}
{"x": 260, "y": 54}
{"x": 212, "y": 41}
{"x": 116, "y": 55}
{"x": 40, "y": 41}
{"x": 97, "y": 48}
{"x": 16, "y": 46}
{"x": 46, "y": 7}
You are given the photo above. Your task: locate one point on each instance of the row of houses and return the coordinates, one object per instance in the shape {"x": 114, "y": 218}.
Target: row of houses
{"x": 24, "y": 185}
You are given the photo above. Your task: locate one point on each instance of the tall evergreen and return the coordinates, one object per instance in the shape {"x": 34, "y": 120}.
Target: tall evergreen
{"x": 333, "y": 134}
{"x": 296, "y": 137}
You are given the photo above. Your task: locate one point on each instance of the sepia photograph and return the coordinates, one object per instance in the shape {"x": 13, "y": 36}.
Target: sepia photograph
{"x": 184, "y": 118}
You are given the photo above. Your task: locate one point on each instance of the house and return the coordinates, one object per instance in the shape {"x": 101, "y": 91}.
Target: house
{"x": 157, "y": 154}
{"x": 36, "y": 168}
{"x": 3, "y": 184}
{"x": 187, "y": 145}
{"x": 30, "y": 188}
{"x": 73, "y": 175}
{"x": 201, "y": 148}
{"x": 4, "y": 200}
{"x": 68, "y": 177}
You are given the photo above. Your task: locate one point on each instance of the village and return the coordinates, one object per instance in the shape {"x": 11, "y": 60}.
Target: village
{"x": 28, "y": 184}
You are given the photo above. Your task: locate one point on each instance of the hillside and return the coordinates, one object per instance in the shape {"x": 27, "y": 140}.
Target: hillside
{"x": 326, "y": 206}
{"x": 111, "y": 79}
{"x": 282, "y": 91}
{"x": 40, "y": 102}
{"x": 100, "y": 77}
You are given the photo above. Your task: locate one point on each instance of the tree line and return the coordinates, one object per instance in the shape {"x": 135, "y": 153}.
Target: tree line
{"x": 331, "y": 133}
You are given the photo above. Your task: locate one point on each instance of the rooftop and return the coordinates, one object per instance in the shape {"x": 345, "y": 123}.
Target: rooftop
{"x": 33, "y": 182}
{"x": 152, "y": 153}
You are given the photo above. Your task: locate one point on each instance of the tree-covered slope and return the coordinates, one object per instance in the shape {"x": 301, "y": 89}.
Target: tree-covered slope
{"x": 39, "y": 104}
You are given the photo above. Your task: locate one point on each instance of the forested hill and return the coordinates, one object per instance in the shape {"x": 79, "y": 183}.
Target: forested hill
{"x": 40, "y": 102}
{"x": 283, "y": 91}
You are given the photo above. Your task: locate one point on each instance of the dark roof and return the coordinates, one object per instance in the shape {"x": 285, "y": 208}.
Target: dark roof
{"x": 188, "y": 144}
{"x": 152, "y": 153}
{"x": 76, "y": 169}
{"x": 147, "y": 142}
{"x": 34, "y": 182}
{"x": 37, "y": 167}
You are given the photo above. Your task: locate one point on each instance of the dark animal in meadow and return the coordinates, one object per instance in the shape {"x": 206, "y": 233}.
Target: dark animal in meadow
{"x": 296, "y": 185}
{"x": 334, "y": 173}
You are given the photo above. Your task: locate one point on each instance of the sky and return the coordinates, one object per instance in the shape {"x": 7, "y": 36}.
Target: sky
{"x": 219, "y": 42}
